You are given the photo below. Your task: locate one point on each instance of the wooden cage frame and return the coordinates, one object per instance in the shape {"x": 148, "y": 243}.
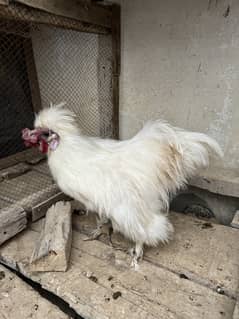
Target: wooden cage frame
{"x": 80, "y": 15}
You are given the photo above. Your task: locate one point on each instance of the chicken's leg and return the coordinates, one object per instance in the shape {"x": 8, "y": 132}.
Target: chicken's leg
{"x": 96, "y": 233}
{"x": 137, "y": 254}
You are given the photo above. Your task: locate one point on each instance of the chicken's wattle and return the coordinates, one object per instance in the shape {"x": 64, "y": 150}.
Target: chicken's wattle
{"x": 43, "y": 146}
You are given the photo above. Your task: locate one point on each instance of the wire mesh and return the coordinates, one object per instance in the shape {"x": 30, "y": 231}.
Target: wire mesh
{"x": 49, "y": 61}
{"x": 71, "y": 66}
{"x": 75, "y": 67}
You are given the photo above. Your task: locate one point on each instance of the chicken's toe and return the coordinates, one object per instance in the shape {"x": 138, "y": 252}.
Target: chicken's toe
{"x": 95, "y": 234}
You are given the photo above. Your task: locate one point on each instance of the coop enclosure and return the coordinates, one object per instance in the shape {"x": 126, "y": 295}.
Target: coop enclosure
{"x": 51, "y": 53}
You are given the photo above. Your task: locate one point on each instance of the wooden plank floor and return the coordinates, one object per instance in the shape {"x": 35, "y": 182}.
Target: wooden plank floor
{"x": 18, "y": 300}
{"x": 195, "y": 276}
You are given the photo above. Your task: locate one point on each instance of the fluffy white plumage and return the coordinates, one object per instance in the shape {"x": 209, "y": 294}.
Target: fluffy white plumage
{"x": 129, "y": 182}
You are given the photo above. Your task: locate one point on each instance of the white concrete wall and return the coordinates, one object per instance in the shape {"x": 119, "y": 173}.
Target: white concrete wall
{"x": 180, "y": 62}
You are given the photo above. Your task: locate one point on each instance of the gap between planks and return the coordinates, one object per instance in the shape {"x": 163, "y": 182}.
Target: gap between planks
{"x": 218, "y": 286}
{"x": 85, "y": 251}
{"x": 45, "y": 294}
{"x": 152, "y": 292}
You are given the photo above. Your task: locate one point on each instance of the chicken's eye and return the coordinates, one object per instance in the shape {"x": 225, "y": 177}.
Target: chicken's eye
{"x": 45, "y": 135}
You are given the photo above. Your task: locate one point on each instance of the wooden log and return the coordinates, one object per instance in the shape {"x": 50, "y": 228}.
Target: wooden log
{"x": 52, "y": 250}
{"x": 12, "y": 220}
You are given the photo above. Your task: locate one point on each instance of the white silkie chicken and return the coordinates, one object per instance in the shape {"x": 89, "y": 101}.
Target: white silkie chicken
{"x": 128, "y": 182}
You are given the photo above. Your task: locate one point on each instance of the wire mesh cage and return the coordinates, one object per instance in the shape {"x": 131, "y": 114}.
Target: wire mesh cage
{"x": 47, "y": 58}
{"x": 76, "y": 67}
{"x": 46, "y": 63}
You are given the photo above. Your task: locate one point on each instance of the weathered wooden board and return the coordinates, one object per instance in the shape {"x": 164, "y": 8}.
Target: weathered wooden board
{"x": 100, "y": 284}
{"x": 235, "y": 221}
{"x": 14, "y": 171}
{"x": 42, "y": 168}
{"x": 204, "y": 252}
{"x": 219, "y": 181}
{"x": 40, "y": 209}
{"x": 19, "y": 300}
{"x": 52, "y": 250}
{"x": 116, "y": 44}
{"x": 13, "y": 220}
{"x": 92, "y": 13}
{"x": 35, "y": 159}
{"x": 25, "y": 156}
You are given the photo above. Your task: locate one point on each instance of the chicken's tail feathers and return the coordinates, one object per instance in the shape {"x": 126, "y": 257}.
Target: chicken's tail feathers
{"x": 210, "y": 143}
{"x": 197, "y": 149}
{"x": 179, "y": 138}
{"x": 190, "y": 151}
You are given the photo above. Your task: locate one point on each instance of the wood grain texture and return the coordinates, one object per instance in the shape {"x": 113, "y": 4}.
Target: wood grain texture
{"x": 19, "y": 300}
{"x": 52, "y": 250}
{"x": 40, "y": 209}
{"x": 219, "y": 181}
{"x": 200, "y": 250}
{"x": 88, "y": 12}
{"x": 100, "y": 283}
{"x": 13, "y": 220}
{"x": 14, "y": 171}
{"x": 116, "y": 44}
{"x": 28, "y": 156}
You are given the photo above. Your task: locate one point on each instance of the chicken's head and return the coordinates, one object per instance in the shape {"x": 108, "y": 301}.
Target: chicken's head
{"x": 41, "y": 138}
{"x": 51, "y": 125}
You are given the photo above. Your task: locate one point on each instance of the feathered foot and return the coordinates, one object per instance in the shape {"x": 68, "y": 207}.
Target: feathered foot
{"x": 136, "y": 253}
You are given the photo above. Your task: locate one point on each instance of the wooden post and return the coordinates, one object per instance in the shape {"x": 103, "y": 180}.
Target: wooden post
{"x": 116, "y": 66}
{"x": 32, "y": 75}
